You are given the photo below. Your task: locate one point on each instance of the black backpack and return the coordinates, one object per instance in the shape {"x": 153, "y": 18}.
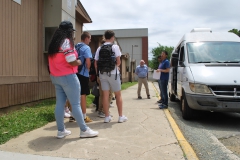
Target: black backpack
{"x": 78, "y": 47}
{"x": 107, "y": 59}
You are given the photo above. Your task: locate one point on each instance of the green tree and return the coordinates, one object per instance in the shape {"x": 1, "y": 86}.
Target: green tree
{"x": 156, "y": 52}
{"x": 236, "y": 31}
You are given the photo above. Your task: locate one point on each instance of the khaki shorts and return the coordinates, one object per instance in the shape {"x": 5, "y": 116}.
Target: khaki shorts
{"x": 110, "y": 82}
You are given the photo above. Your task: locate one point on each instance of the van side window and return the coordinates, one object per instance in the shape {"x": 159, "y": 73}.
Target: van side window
{"x": 182, "y": 58}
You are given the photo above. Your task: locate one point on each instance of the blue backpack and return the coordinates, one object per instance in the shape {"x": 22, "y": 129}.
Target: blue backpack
{"x": 78, "y": 48}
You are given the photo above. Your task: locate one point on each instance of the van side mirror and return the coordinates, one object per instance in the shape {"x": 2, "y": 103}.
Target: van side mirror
{"x": 174, "y": 60}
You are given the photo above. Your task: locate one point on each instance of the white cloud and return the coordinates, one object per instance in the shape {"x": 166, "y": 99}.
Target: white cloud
{"x": 167, "y": 20}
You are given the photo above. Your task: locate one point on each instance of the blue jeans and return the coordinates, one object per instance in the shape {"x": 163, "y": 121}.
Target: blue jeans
{"x": 159, "y": 88}
{"x": 164, "y": 95}
{"x": 68, "y": 87}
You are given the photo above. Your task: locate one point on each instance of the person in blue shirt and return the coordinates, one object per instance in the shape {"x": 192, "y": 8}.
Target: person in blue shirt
{"x": 164, "y": 77}
{"x": 85, "y": 56}
{"x": 142, "y": 72}
{"x": 160, "y": 61}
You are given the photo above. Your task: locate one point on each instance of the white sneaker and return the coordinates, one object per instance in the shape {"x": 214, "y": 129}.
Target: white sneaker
{"x": 63, "y": 133}
{"x": 122, "y": 119}
{"x": 67, "y": 110}
{"x": 88, "y": 133}
{"x": 101, "y": 115}
{"x": 67, "y": 115}
{"x": 107, "y": 119}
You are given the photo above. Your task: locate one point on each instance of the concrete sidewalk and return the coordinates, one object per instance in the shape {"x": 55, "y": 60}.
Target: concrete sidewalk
{"x": 146, "y": 135}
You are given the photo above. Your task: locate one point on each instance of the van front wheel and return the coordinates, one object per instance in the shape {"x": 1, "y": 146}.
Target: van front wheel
{"x": 187, "y": 112}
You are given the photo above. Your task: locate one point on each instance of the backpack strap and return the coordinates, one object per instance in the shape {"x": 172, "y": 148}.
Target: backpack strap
{"x": 116, "y": 74}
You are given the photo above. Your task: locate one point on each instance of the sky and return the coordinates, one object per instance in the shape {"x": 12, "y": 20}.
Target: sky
{"x": 167, "y": 20}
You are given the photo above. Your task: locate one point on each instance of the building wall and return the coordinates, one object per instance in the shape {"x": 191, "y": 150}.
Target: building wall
{"x": 78, "y": 26}
{"x": 23, "y": 72}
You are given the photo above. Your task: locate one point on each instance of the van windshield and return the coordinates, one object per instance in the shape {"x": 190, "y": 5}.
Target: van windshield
{"x": 214, "y": 52}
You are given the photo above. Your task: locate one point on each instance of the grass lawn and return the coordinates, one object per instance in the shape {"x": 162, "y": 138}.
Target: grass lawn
{"x": 29, "y": 118}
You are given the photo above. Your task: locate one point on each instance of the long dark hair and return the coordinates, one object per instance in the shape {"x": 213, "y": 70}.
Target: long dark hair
{"x": 57, "y": 40}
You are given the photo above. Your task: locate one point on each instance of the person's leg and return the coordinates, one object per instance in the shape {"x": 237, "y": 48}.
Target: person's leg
{"x": 84, "y": 104}
{"x": 59, "y": 109}
{"x": 119, "y": 102}
{"x": 165, "y": 94}
{"x": 106, "y": 102}
{"x": 116, "y": 88}
{"x": 72, "y": 91}
{"x": 84, "y": 92}
{"x": 105, "y": 90}
{"x": 97, "y": 102}
{"x": 159, "y": 91}
{"x": 100, "y": 107}
{"x": 145, "y": 83}
{"x": 139, "y": 87}
{"x": 110, "y": 97}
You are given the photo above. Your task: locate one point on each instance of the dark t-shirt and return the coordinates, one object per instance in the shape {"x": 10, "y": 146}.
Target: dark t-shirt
{"x": 164, "y": 65}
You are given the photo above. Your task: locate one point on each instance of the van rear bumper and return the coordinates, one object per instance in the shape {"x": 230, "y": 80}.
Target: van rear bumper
{"x": 213, "y": 103}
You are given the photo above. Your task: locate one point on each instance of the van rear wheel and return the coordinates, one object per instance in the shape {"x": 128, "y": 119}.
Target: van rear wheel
{"x": 187, "y": 112}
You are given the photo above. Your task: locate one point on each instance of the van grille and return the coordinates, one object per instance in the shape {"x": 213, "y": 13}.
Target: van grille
{"x": 232, "y": 91}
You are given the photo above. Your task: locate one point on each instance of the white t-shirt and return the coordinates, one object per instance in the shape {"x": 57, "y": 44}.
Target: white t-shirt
{"x": 115, "y": 49}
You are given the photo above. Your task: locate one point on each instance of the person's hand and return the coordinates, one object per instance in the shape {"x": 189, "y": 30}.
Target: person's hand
{"x": 159, "y": 70}
{"x": 98, "y": 80}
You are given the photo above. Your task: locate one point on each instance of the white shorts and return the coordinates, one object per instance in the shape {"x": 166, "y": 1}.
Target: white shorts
{"x": 110, "y": 82}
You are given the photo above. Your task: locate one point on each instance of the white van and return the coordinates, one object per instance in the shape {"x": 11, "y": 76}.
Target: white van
{"x": 205, "y": 72}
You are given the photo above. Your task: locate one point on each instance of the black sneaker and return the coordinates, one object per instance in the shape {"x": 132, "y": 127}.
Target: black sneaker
{"x": 148, "y": 97}
{"x": 160, "y": 101}
{"x": 139, "y": 97}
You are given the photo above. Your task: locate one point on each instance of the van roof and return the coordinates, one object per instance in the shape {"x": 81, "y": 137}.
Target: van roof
{"x": 208, "y": 36}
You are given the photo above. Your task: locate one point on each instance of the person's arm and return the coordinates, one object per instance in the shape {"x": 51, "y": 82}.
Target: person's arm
{"x": 96, "y": 60}
{"x": 77, "y": 62}
{"x": 136, "y": 71}
{"x": 88, "y": 63}
{"x": 164, "y": 70}
{"x": 95, "y": 65}
{"x": 167, "y": 66}
{"x": 70, "y": 54}
{"x": 118, "y": 61}
{"x": 118, "y": 54}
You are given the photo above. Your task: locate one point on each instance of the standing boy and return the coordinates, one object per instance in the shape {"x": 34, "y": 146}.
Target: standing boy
{"x": 107, "y": 60}
{"x": 85, "y": 55}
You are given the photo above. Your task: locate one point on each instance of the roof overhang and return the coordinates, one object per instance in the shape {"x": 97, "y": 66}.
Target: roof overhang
{"x": 81, "y": 13}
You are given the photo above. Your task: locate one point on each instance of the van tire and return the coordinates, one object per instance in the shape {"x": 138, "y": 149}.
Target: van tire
{"x": 187, "y": 112}
{"x": 172, "y": 97}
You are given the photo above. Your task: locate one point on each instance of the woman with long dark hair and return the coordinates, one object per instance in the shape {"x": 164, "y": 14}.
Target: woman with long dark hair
{"x": 63, "y": 64}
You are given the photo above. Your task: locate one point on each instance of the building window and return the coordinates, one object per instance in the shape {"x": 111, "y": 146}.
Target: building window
{"x": 17, "y": 1}
{"x": 49, "y": 31}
